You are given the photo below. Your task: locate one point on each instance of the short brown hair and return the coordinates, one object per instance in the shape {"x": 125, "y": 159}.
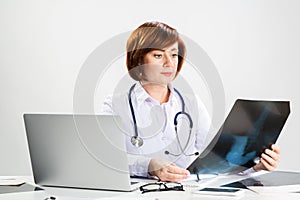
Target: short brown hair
{"x": 151, "y": 36}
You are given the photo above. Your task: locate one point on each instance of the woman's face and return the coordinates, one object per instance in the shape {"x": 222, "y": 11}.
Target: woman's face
{"x": 160, "y": 66}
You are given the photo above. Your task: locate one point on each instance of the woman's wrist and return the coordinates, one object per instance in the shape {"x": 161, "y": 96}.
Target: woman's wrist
{"x": 256, "y": 168}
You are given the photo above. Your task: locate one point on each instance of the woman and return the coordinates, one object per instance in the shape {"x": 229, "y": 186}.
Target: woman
{"x": 155, "y": 55}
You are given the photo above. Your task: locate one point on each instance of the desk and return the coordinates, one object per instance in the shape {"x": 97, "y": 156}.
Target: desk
{"x": 174, "y": 195}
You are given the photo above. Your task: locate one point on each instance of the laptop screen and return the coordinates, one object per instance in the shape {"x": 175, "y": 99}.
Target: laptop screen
{"x": 250, "y": 127}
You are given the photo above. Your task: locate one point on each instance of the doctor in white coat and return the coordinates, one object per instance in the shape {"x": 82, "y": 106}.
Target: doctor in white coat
{"x": 164, "y": 129}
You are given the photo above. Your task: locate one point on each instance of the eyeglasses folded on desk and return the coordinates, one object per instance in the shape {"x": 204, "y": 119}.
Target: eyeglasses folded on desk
{"x": 161, "y": 186}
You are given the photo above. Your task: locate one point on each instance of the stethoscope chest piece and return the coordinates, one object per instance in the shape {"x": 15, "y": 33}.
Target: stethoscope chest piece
{"x": 137, "y": 141}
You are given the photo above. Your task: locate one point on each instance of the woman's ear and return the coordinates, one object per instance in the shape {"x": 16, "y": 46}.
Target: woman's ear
{"x": 141, "y": 61}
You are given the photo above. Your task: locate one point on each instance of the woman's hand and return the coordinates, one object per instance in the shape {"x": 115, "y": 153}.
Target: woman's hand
{"x": 167, "y": 171}
{"x": 269, "y": 159}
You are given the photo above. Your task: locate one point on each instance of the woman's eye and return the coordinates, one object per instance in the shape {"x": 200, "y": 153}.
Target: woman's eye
{"x": 174, "y": 55}
{"x": 157, "y": 55}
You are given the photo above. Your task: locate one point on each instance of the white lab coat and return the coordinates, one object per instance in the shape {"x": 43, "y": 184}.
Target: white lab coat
{"x": 156, "y": 126}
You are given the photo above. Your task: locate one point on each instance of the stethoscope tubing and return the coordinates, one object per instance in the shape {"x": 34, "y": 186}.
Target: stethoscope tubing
{"x": 137, "y": 141}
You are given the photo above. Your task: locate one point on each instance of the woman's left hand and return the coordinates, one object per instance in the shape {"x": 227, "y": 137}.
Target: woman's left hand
{"x": 269, "y": 159}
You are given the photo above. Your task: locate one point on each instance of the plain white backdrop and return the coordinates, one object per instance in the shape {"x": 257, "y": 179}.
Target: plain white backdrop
{"x": 254, "y": 45}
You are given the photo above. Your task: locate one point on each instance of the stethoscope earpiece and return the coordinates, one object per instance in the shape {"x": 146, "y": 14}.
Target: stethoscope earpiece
{"x": 193, "y": 154}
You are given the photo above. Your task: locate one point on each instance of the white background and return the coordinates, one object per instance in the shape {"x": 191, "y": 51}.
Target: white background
{"x": 254, "y": 44}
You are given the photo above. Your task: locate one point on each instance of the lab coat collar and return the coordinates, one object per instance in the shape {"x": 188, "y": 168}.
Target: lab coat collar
{"x": 142, "y": 95}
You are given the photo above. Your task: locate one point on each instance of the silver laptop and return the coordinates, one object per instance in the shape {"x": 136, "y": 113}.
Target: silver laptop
{"x": 78, "y": 151}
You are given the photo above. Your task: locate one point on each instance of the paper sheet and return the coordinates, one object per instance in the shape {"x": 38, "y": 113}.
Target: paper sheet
{"x": 102, "y": 198}
{"x": 11, "y": 182}
{"x": 275, "y": 189}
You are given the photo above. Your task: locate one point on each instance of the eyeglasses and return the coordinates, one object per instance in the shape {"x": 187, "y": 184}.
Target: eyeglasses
{"x": 161, "y": 186}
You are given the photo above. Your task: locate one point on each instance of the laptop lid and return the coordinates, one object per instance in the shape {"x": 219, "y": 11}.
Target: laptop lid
{"x": 250, "y": 127}
{"x": 81, "y": 151}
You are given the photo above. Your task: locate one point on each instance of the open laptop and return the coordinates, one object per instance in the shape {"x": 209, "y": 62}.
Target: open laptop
{"x": 250, "y": 127}
{"x": 78, "y": 151}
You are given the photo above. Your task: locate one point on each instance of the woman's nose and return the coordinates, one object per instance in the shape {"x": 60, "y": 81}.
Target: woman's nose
{"x": 168, "y": 61}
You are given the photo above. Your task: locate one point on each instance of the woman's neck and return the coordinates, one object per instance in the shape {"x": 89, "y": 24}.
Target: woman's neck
{"x": 161, "y": 93}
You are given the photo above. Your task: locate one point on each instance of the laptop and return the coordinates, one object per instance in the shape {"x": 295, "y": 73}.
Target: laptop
{"x": 250, "y": 127}
{"x": 78, "y": 151}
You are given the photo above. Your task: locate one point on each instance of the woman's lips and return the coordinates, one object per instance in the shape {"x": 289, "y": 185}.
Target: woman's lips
{"x": 167, "y": 73}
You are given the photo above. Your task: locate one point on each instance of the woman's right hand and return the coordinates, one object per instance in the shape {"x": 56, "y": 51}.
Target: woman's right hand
{"x": 167, "y": 171}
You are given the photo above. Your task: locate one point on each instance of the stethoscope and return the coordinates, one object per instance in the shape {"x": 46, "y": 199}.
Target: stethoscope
{"x": 137, "y": 141}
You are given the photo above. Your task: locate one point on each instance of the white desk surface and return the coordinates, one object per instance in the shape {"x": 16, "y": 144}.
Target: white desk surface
{"x": 78, "y": 194}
